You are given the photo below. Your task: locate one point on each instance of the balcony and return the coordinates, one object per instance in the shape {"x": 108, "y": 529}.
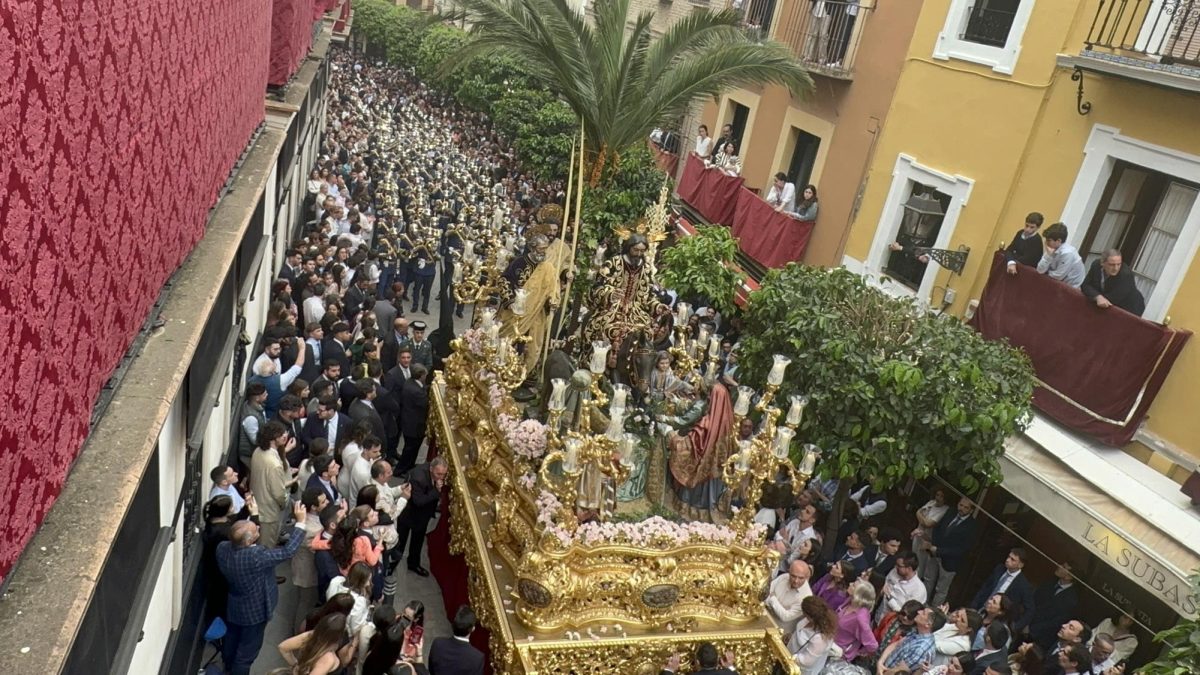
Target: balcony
{"x": 1098, "y": 370}
{"x": 1156, "y": 41}
{"x": 823, "y": 34}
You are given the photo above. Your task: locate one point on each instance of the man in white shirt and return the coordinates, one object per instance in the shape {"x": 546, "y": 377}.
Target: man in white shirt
{"x": 270, "y": 352}
{"x": 901, "y": 585}
{"x": 360, "y": 469}
{"x": 787, "y": 592}
{"x": 314, "y": 305}
{"x": 392, "y": 499}
{"x": 224, "y": 479}
{"x": 798, "y": 530}
{"x": 782, "y": 195}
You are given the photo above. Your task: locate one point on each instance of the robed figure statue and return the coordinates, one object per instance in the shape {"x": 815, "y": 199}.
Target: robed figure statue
{"x": 622, "y": 305}
{"x": 540, "y": 273}
{"x": 697, "y": 455}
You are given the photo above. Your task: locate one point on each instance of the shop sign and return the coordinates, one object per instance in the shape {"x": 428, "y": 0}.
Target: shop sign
{"x": 1139, "y": 566}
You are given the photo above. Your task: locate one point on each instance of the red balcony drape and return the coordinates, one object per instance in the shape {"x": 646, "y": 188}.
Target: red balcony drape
{"x": 291, "y": 38}
{"x": 120, "y": 122}
{"x": 1099, "y": 370}
{"x": 769, "y": 237}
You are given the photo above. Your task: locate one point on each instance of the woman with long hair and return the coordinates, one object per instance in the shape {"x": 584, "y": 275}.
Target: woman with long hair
{"x": 385, "y": 647}
{"x": 354, "y": 542}
{"x": 319, "y": 651}
{"x": 806, "y": 208}
{"x": 1028, "y": 660}
{"x": 357, "y": 582}
{"x": 834, "y": 587}
{"x": 338, "y": 603}
{"x": 956, "y": 636}
{"x": 811, "y": 643}
{"x": 999, "y": 607}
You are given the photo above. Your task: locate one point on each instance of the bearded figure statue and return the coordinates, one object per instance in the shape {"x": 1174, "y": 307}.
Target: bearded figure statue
{"x": 622, "y": 305}
{"x": 540, "y": 273}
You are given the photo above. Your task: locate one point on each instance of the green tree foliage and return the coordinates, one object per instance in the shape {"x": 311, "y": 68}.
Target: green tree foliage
{"x": 624, "y": 193}
{"x": 894, "y": 394}
{"x": 488, "y": 81}
{"x": 617, "y": 76}
{"x": 543, "y": 141}
{"x": 440, "y": 44}
{"x": 701, "y": 265}
{"x": 515, "y": 108}
{"x": 391, "y": 32}
{"x": 1182, "y": 642}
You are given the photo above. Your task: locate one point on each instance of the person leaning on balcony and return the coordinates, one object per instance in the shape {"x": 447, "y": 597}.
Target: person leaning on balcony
{"x": 1061, "y": 260}
{"x": 1026, "y": 246}
{"x": 806, "y": 208}
{"x": 1109, "y": 282}
{"x": 782, "y": 196}
{"x": 727, "y": 160}
{"x": 703, "y": 142}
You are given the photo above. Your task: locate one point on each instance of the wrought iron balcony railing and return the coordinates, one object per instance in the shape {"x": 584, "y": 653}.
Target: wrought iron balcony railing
{"x": 825, "y": 34}
{"x": 1165, "y": 31}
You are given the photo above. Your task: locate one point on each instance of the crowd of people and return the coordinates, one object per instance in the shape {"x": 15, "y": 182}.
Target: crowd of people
{"x": 325, "y": 476}
{"x": 874, "y": 600}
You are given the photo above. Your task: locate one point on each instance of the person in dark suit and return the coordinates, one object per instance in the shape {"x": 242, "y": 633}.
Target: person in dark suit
{"x": 327, "y": 422}
{"x": 707, "y": 659}
{"x": 414, "y": 410}
{"x": 1054, "y": 604}
{"x": 394, "y": 341}
{"x": 427, "y": 481}
{"x": 324, "y": 477}
{"x": 951, "y": 540}
{"x": 291, "y": 266}
{"x": 455, "y": 655}
{"x": 882, "y": 556}
{"x": 854, "y": 552}
{"x": 358, "y": 292}
{"x": 1110, "y": 283}
{"x": 291, "y": 416}
{"x": 363, "y": 408}
{"x": 1072, "y": 636}
{"x": 1026, "y": 245}
{"x": 991, "y": 654}
{"x": 1008, "y": 579}
{"x": 338, "y": 346}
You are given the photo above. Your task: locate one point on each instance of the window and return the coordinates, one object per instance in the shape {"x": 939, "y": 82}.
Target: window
{"x": 922, "y": 208}
{"x": 804, "y": 157}
{"x": 1141, "y": 199}
{"x": 923, "y": 214}
{"x": 990, "y": 21}
{"x": 988, "y": 32}
{"x": 1141, "y": 214}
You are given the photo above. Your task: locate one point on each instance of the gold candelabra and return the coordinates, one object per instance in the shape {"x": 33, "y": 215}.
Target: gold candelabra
{"x": 581, "y": 452}
{"x": 761, "y": 457}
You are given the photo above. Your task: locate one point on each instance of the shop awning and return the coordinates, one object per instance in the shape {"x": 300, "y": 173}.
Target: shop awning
{"x": 1123, "y": 511}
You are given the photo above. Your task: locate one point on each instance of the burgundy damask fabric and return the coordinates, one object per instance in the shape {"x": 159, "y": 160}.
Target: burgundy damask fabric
{"x": 1099, "y": 370}
{"x": 119, "y": 123}
{"x": 291, "y": 37}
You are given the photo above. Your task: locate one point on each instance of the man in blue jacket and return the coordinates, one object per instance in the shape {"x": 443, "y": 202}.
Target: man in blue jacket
{"x": 253, "y": 593}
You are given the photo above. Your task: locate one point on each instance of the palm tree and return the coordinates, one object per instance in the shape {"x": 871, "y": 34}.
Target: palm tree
{"x": 619, "y": 79}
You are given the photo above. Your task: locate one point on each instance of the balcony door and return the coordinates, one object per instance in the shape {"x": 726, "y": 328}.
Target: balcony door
{"x": 1141, "y": 214}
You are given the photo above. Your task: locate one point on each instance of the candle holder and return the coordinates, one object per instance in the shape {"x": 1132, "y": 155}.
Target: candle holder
{"x": 760, "y": 458}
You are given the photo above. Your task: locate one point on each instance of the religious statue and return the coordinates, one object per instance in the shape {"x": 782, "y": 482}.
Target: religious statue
{"x": 697, "y": 451}
{"x": 622, "y": 305}
{"x": 539, "y": 273}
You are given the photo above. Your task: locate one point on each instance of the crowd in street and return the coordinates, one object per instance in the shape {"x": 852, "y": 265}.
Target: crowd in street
{"x": 874, "y": 599}
{"x": 325, "y": 476}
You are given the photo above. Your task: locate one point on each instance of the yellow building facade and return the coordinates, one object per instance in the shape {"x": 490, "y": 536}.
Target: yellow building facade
{"x": 1087, "y": 111}
{"x": 999, "y": 131}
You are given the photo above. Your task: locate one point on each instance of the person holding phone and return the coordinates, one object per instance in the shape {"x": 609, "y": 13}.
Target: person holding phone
{"x": 414, "y": 635}
{"x": 271, "y": 479}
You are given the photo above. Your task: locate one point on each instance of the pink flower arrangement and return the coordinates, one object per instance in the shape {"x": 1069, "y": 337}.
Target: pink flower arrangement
{"x": 654, "y": 532}
{"x": 528, "y": 480}
{"x": 527, "y": 438}
{"x": 473, "y": 338}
